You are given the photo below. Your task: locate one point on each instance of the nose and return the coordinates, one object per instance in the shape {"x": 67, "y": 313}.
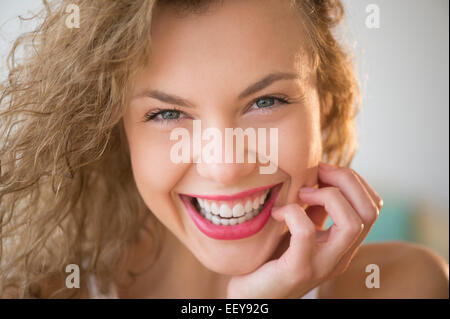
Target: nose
{"x": 228, "y": 170}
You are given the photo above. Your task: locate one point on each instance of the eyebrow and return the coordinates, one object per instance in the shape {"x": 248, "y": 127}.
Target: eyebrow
{"x": 251, "y": 89}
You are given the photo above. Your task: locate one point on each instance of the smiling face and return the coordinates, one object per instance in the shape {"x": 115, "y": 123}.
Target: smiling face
{"x": 210, "y": 63}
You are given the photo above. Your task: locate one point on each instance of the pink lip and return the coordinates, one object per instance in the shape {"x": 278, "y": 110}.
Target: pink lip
{"x": 246, "y": 193}
{"x": 239, "y": 231}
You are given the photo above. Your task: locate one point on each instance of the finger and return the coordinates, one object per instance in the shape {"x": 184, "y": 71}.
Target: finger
{"x": 347, "y": 224}
{"x": 303, "y": 236}
{"x": 375, "y": 197}
{"x": 353, "y": 190}
{"x": 347, "y": 258}
{"x": 368, "y": 212}
{"x": 277, "y": 277}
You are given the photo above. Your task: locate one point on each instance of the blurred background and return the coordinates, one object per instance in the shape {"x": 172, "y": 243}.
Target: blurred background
{"x": 403, "y": 126}
{"x": 401, "y": 52}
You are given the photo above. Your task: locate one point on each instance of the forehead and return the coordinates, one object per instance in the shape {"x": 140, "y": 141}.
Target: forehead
{"x": 248, "y": 38}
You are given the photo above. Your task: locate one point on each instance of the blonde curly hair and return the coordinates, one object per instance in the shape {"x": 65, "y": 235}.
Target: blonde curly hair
{"x": 67, "y": 194}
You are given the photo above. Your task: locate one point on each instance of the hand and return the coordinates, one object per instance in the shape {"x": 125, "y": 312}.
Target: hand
{"x": 314, "y": 255}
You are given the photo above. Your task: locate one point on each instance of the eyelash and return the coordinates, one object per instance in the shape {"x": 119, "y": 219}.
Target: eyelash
{"x": 151, "y": 116}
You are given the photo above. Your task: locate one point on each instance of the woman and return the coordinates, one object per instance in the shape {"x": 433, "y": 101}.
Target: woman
{"x": 91, "y": 172}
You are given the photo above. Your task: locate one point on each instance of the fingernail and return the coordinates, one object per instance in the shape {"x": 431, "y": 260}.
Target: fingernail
{"x": 327, "y": 166}
{"x": 275, "y": 209}
{"x": 307, "y": 189}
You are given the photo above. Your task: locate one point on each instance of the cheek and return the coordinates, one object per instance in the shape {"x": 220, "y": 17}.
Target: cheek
{"x": 153, "y": 170}
{"x": 299, "y": 150}
{"x": 298, "y": 145}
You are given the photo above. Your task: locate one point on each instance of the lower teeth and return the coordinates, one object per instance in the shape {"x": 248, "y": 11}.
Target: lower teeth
{"x": 229, "y": 221}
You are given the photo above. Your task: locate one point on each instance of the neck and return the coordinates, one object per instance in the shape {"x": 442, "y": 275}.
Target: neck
{"x": 176, "y": 273}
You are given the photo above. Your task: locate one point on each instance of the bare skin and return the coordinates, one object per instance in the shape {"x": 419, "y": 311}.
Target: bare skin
{"x": 407, "y": 270}
{"x": 196, "y": 63}
{"x": 188, "y": 56}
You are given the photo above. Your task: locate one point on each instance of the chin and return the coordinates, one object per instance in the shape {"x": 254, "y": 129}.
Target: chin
{"x": 233, "y": 258}
{"x": 231, "y": 267}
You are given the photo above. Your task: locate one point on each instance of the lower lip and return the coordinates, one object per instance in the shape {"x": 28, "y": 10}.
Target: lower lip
{"x": 239, "y": 231}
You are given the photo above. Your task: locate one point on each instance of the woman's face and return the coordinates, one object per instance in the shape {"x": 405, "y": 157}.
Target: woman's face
{"x": 209, "y": 61}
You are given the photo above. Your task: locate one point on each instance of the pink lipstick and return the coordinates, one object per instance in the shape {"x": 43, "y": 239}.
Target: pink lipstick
{"x": 246, "y": 193}
{"x": 250, "y": 213}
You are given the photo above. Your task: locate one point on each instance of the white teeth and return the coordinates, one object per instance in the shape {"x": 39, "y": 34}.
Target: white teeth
{"x": 224, "y": 214}
{"x": 248, "y": 206}
{"x": 225, "y": 222}
{"x": 215, "y": 220}
{"x": 214, "y": 209}
{"x": 238, "y": 210}
{"x": 262, "y": 198}
{"x": 225, "y": 211}
{"x": 229, "y": 221}
{"x": 206, "y": 206}
{"x": 256, "y": 203}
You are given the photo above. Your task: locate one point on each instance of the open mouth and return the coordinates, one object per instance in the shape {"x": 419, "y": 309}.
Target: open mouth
{"x": 232, "y": 217}
{"x": 228, "y": 213}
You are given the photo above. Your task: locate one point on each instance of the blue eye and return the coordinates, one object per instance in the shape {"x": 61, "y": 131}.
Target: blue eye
{"x": 170, "y": 115}
{"x": 268, "y": 102}
{"x": 164, "y": 115}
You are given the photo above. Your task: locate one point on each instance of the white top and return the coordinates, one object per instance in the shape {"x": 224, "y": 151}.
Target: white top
{"x": 312, "y": 294}
{"x": 94, "y": 292}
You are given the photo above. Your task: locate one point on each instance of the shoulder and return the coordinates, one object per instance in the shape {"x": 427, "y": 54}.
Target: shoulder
{"x": 404, "y": 270}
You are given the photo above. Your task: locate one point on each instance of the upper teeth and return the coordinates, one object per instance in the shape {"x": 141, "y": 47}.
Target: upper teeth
{"x": 236, "y": 208}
